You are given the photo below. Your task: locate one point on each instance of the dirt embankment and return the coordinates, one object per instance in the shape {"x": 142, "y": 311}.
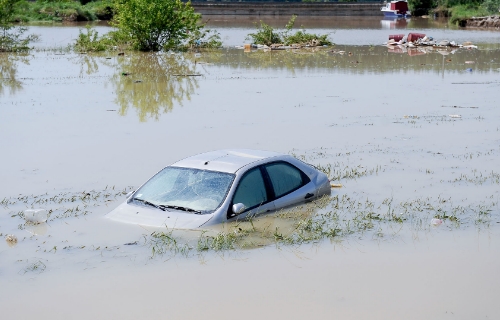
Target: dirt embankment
{"x": 483, "y": 22}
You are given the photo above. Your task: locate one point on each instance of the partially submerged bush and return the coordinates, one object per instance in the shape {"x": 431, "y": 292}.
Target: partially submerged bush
{"x": 301, "y": 37}
{"x": 90, "y": 41}
{"x": 203, "y": 38}
{"x": 267, "y": 35}
{"x": 12, "y": 37}
{"x": 154, "y": 25}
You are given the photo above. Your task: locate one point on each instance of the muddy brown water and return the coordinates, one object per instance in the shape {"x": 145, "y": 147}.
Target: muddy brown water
{"x": 395, "y": 127}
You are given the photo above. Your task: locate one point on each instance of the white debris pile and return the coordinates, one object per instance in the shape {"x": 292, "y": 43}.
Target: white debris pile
{"x": 413, "y": 40}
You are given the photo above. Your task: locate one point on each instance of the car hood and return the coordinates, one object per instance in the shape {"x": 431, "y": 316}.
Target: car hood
{"x": 157, "y": 218}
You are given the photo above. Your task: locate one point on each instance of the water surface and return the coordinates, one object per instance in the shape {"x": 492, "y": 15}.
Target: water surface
{"x": 396, "y": 128}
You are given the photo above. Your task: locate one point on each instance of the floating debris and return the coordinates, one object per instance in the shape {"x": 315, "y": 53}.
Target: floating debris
{"x": 11, "y": 240}
{"x": 436, "y": 222}
{"x": 423, "y": 44}
{"x": 279, "y": 46}
{"x": 457, "y": 116}
{"x": 36, "y": 216}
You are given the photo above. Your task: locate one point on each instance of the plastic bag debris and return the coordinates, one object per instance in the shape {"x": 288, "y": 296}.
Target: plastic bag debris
{"x": 436, "y": 222}
{"x": 36, "y": 215}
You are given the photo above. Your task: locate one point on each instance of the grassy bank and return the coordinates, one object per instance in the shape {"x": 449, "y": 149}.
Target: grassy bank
{"x": 68, "y": 10}
{"x": 460, "y": 10}
{"x": 32, "y": 11}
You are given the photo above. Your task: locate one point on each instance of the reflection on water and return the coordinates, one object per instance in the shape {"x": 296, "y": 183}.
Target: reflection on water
{"x": 363, "y": 59}
{"x": 362, "y": 109}
{"x": 154, "y": 83}
{"x": 8, "y": 72}
{"x": 320, "y": 22}
{"x": 350, "y": 30}
{"x": 88, "y": 64}
{"x": 151, "y": 84}
{"x": 394, "y": 23}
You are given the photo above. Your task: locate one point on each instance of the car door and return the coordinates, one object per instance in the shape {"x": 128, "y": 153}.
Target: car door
{"x": 253, "y": 192}
{"x": 289, "y": 184}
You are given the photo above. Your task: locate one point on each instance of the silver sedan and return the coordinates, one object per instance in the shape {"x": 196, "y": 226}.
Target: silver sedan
{"x": 221, "y": 186}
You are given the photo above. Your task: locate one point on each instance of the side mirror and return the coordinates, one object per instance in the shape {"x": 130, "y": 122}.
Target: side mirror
{"x": 129, "y": 194}
{"x": 238, "y": 208}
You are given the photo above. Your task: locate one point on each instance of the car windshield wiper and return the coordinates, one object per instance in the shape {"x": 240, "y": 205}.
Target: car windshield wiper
{"x": 182, "y": 208}
{"x": 161, "y": 207}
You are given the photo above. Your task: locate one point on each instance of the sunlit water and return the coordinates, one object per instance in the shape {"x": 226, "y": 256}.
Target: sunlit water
{"x": 396, "y": 128}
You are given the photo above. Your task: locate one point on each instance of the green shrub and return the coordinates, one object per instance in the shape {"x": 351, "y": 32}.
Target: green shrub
{"x": 12, "y": 37}
{"x": 52, "y": 10}
{"x": 491, "y": 6}
{"x": 154, "y": 25}
{"x": 203, "y": 38}
{"x": 90, "y": 41}
{"x": 301, "y": 37}
{"x": 267, "y": 35}
{"x": 461, "y": 13}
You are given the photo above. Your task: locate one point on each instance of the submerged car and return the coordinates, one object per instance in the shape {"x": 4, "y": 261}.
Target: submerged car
{"x": 221, "y": 186}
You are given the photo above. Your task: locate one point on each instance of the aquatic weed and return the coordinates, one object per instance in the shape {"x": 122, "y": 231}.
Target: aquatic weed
{"x": 36, "y": 267}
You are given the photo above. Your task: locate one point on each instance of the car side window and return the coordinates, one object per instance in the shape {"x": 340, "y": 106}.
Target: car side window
{"x": 251, "y": 190}
{"x": 285, "y": 178}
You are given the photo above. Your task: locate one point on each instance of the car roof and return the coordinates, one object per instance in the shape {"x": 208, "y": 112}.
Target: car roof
{"x": 229, "y": 160}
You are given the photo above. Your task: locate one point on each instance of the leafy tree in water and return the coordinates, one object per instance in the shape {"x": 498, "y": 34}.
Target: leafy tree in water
{"x": 11, "y": 37}
{"x": 153, "y": 25}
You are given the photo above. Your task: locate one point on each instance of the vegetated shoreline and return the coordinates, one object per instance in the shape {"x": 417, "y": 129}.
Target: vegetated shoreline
{"x": 32, "y": 12}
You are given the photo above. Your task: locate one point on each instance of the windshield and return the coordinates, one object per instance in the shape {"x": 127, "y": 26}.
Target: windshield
{"x": 185, "y": 189}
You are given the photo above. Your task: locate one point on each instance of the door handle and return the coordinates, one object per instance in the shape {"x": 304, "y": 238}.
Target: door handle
{"x": 309, "y": 195}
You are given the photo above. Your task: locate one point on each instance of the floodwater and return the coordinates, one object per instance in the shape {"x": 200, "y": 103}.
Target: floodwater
{"x": 410, "y": 135}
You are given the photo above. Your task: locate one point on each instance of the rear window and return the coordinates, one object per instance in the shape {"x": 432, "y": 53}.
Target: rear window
{"x": 285, "y": 178}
